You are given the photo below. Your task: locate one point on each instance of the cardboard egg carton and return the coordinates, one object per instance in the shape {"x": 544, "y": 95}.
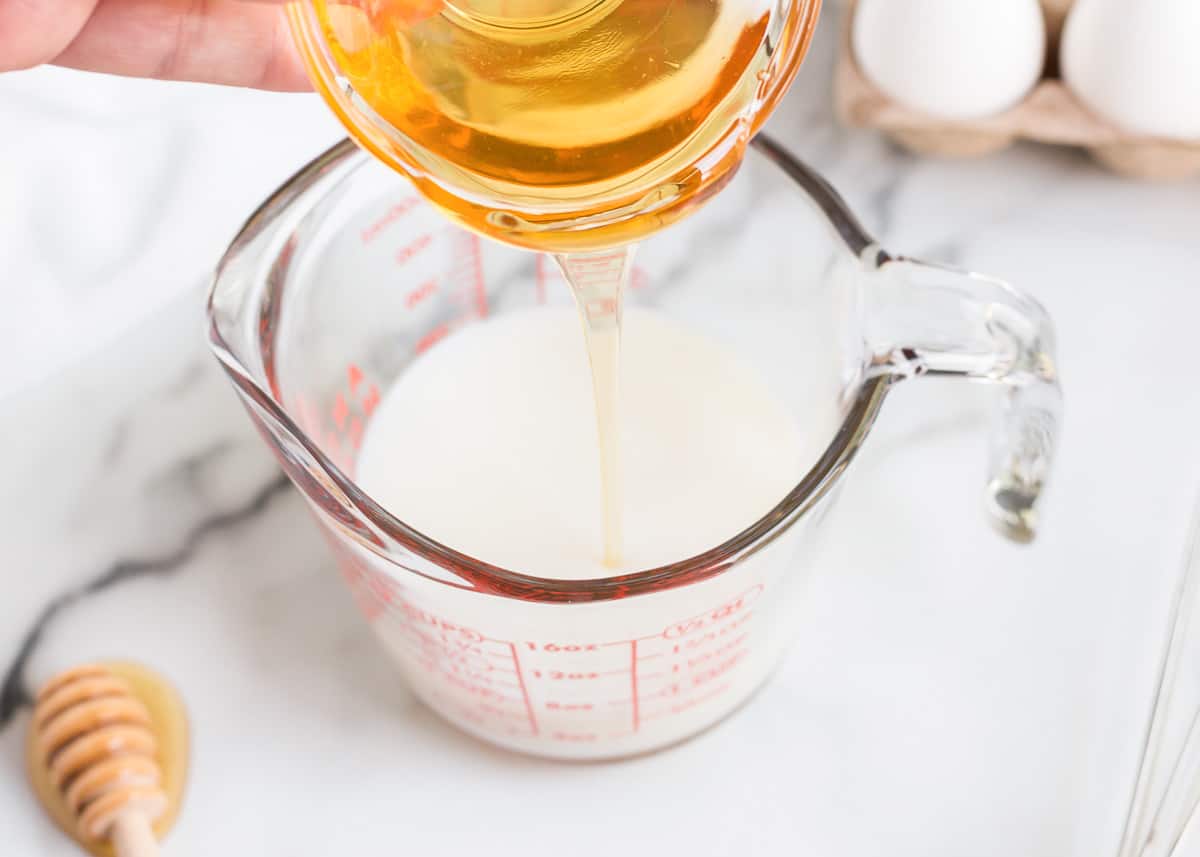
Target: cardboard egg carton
{"x": 1051, "y": 113}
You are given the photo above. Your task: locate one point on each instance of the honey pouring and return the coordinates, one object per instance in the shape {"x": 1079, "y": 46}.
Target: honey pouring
{"x": 573, "y": 127}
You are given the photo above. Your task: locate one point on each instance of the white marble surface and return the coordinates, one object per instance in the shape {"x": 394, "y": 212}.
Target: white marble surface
{"x": 949, "y": 694}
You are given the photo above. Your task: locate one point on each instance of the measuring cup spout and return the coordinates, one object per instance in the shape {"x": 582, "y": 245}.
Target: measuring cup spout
{"x": 923, "y": 319}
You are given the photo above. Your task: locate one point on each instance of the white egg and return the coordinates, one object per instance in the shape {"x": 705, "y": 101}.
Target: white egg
{"x": 953, "y": 59}
{"x": 1137, "y": 63}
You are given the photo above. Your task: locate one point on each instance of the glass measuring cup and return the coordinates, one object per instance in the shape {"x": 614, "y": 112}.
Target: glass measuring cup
{"x": 346, "y": 276}
{"x": 537, "y": 122}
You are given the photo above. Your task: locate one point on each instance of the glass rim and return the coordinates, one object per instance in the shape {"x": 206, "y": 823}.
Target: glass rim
{"x": 389, "y": 144}
{"x": 476, "y": 575}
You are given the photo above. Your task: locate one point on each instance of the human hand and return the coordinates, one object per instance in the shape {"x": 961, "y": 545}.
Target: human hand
{"x": 237, "y": 42}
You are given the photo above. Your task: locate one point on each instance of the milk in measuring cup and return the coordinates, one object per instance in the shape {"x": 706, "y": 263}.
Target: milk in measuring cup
{"x": 488, "y": 444}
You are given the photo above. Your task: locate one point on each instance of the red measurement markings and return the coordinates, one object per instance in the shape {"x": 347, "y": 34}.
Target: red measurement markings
{"x": 568, "y": 648}
{"x": 680, "y": 707}
{"x": 370, "y": 606}
{"x": 501, "y": 656}
{"x": 355, "y": 432}
{"x": 633, "y": 681}
{"x": 340, "y": 411}
{"x": 707, "y": 637}
{"x": 421, "y": 293}
{"x": 482, "y": 715}
{"x": 574, "y": 737}
{"x": 505, "y": 684}
{"x": 673, "y": 689}
{"x": 370, "y": 397}
{"x": 493, "y": 711}
{"x": 492, "y": 663}
{"x": 411, "y": 250}
{"x": 425, "y": 627}
{"x": 371, "y": 400}
{"x": 375, "y": 229}
{"x": 432, "y": 338}
{"x": 706, "y": 619}
{"x": 340, "y": 433}
{"x": 719, "y": 670}
{"x": 466, "y": 671}
{"x": 559, "y": 675}
{"x": 454, "y": 653}
{"x": 465, "y": 280}
{"x": 474, "y": 689}
{"x": 704, "y": 657}
{"x": 462, "y": 677}
{"x": 416, "y": 614}
{"x": 455, "y": 650}
{"x": 441, "y": 654}
{"x": 470, "y": 671}
{"x": 570, "y": 706}
{"x": 524, "y": 690}
{"x": 677, "y": 688}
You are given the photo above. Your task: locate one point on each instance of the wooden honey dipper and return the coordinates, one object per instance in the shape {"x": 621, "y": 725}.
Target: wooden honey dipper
{"x": 106, "y": 753}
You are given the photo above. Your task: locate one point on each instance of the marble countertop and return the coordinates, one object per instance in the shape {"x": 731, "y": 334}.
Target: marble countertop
{"x": 949, "y": 694}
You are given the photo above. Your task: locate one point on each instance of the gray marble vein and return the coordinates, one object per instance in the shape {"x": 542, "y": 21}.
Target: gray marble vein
{"x": 15, "y": 692}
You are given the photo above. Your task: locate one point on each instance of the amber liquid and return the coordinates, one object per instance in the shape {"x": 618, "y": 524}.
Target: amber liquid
{"x": 597, "y": 281}
{"x": 568, "y": 126}
{"x": 563, "y": 125}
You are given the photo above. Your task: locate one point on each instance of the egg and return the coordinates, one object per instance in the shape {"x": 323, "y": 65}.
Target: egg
{"x": 1137, "y": 63}
{"x": 951, "y": 59}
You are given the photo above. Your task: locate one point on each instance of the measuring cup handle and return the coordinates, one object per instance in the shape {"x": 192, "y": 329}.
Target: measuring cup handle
{"x": 924, "y": 319}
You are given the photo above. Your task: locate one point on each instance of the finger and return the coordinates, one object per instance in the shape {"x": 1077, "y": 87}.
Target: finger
{"x": 33, "y": 32}
{"x": 215, "y": 41}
